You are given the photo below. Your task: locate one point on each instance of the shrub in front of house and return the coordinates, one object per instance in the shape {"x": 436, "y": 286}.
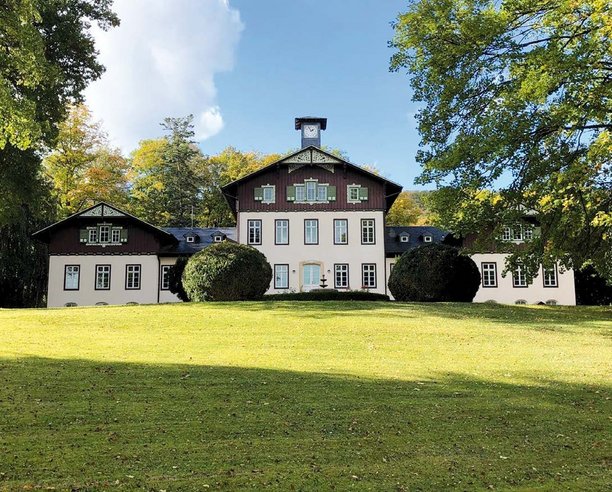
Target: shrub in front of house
{"x": 227, "y": 272}
{"x": 175, "y": 278}
{"x": 434, "y": 273}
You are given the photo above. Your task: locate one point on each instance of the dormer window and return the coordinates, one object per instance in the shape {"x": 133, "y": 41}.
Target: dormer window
{"x": 218, "y": 239}
{"x": 190, "y": 239}
{"x": 427, "y": 239}
{"x": 404, "y": 238}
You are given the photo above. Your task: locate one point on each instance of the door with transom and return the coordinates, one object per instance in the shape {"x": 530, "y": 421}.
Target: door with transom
{"x": 312, "y": 276}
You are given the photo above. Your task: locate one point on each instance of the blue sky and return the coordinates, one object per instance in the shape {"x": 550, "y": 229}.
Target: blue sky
{"x": 247, "y": 68}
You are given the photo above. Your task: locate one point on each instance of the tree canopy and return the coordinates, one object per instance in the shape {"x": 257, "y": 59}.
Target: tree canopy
{"x": 516, "y": 97}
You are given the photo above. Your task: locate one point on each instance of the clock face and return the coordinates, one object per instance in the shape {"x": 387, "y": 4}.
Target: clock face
{"x": 310, "y": 131}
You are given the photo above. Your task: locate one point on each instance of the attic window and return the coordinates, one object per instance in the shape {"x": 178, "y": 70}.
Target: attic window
{"x": 404, "y": 238}
{"x": 190, "y": 239}
{"x": 218, "y": 238}
{"x": 356, "y": 193}
{"x": 427, "y": 239}
{"x": 311, "y": 191}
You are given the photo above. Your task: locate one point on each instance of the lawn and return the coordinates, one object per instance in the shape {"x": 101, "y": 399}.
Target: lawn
{"x": 306, "y": 396}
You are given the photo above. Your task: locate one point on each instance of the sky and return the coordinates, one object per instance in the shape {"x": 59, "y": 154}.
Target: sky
{"x": 246, "y": 68}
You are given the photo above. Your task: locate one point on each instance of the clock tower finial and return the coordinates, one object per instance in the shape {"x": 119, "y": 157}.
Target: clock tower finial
{"x": 311, "y": 127}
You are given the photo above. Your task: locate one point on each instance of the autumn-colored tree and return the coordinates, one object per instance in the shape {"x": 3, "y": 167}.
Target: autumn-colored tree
{"x": 409, "y": 209}
{"x": 83, "y": 168}
{"x": 516, "y": 99}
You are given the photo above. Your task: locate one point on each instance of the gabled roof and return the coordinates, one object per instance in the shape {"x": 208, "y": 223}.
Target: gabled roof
{"x": 310, "y": 155}
{"x": 102, "y": 210}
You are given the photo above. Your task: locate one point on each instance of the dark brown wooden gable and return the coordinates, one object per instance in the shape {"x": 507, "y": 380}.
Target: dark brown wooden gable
{"x": 66, "y": 239}
{"x": 281, "y": 178}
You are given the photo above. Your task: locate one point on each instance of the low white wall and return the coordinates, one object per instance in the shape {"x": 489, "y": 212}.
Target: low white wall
{"x": 87, "y": 295}
{"x": 326, "y": 253}
{"x": 506, "y": 293}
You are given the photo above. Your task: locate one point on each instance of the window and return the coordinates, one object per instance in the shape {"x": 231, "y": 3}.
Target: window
{"x": 506, "y": 234}
{"x": 368, "y": 275}
{"x": 268, "y": 194}
{"x": 165, "y": 277}
{"x": 132, "y": 277}
{"x": 190, "y": 239}
{"x": 281, "y": 276}
{"x": 322, "y": 193}
{"x": 489, "y": 274}
{"x": 300, "y": 193}
{"x": 528, "y": 233}
{"x": 281, "y": 231}
{"x": 116, "y": 236}
{"x": 254, "y": 231}
{"x": 341, "y": 276}
{"x": 353, "y": 194}
{"x": 517, "y": 233}
{"x": 367, "y": 231}
{"x": 427, "y": 239}
{"x": 71, "y": 277}
{"x": 404, "y": 238}
{"x": 311, "y": 231}
{"x": 103, "y": 273}
{"x": 391, "y": 265}
{"x": 311, "y": 190}
{"x": 93, "y": 236}
{"x": 104, "y": 234}
{"x": 518, "y": 278}
{"x": 550, "y": 277}
{"x": 218, "y": 238}
{"x": 340, "y": 231}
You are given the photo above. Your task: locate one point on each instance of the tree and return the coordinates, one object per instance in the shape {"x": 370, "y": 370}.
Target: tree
{"x": 175, "y": 278}
{"x": 434, "y": 273}
{"x": 166, "y": 186}
{"x": 227, "y": 272}
{"x": 83, "y": 168}
{"x": 47, "y": 58}
{"x": 517, "y": 97}
{"x": 409, "y": 209}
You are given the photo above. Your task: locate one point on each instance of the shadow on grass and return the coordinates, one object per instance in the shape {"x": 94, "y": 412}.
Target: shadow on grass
{"x": 91, "y": 426}
{"x": 536, "y": 316}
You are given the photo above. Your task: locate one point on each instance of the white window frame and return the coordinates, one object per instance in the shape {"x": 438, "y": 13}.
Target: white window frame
{"x": 549, "y": 280}
{"x": 368, "y": 231}
{"x": 115, "y": 232}
{"x": 190, "y": 239}
{"x": 92, "y": 236}
{"x": 351, "y": 188}
{"x": 300, "y": 193}
{"x": 254, "y": 231}
{"x": 341, "y": 276}
{"x": 164, "y": 281}
{"x": 281, "y": 232}
{"x": 340, "y": 228}
{"x": 368, "y": 275}
{"x": 281, "y": 271}
{"x": 271, "y": 189}
{"x": 322, "y": 197}
{"x": 311, "y": 190}
{"x": 133, "y": 277}
{"x": 405, "y": 238}
{"x": 489, "y": 268}
{"x": 427, "y": 239}
{"x": 104, "y": 230}
{"x": 74, "y": 273}
{"x": 103, "y": 277}
{"x": 517, "y": 233}
{"x": 311, "y": 226}
{"x": 506, "y": 234}
{"x": 528, "y": 233}
{"x": 519, "y": 280}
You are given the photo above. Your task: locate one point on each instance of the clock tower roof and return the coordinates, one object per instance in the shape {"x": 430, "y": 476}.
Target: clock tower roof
{"x": 310, "y": 119}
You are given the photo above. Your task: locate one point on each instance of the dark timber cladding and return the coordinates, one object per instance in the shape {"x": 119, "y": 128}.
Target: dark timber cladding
{"x": 335, "y": 172}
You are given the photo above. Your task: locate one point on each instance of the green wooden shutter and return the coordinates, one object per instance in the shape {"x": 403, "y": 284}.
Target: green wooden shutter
{"x": 331, "y": 193}
{"x": 363, "y": 193}
{"x": 258, "y": 194}
{"x": 83, "y": 235}
{"x": 124, "y": 235}
{"x": 290, "y": 193}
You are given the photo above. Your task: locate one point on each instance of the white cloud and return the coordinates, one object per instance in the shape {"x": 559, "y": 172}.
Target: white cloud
{"x": 161, "y": 62}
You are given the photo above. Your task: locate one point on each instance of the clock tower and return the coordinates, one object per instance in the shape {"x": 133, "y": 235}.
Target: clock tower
{"x": 311, "y": 129}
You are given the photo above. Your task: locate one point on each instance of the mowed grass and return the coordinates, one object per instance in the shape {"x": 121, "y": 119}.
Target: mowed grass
{"x": 306, "y": 396}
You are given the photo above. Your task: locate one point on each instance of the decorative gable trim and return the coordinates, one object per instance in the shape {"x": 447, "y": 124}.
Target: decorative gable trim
{"x": 312, "y": 156}
{"x": 102, "y": 210}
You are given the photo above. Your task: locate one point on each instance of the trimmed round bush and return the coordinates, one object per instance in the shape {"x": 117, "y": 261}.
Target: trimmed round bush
{"x": 227, "y": 272}
{"x": 434, "y": 273}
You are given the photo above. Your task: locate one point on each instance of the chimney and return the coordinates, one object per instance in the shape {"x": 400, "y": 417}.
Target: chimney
{"x": 311, "y": 130}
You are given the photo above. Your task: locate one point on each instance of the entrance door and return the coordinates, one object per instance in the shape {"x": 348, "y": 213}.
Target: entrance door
{"x": 312, "y": 277}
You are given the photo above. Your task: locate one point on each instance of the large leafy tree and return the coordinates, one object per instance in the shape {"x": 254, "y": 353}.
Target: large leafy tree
{"x": 83, "y": 168}
{"x": 516, "y": 101}
{"x": 410, "y": 209}
{"x": 47, "y": 58}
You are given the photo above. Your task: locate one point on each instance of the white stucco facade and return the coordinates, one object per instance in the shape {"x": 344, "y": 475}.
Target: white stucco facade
{"x": 298, "y": 256}
{"x": 505, "y": 292}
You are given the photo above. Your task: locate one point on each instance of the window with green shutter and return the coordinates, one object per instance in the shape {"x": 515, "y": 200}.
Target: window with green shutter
{"x": 290, "y": 193}
{"x": 83, "y": 235}
{"x": 258, "y": 194}
{"x": 356, "y": 193}
{"x": 124, "y": 235}
{"x": 363, "y": 193}
{"x": 331, "y": 193}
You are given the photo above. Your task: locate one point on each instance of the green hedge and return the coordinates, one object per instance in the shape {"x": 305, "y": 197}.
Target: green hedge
{"x": 328, "y": 295}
